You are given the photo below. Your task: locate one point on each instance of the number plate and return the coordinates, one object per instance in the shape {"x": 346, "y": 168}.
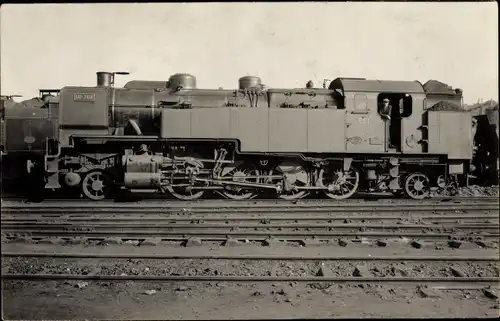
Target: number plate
{"x": 83, "y": 97}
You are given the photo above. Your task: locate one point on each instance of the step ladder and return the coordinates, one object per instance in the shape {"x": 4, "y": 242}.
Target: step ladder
{"x": 51, "y": 163}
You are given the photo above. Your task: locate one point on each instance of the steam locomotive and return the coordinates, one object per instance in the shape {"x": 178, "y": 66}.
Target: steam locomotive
{"x": 171, "y": 137}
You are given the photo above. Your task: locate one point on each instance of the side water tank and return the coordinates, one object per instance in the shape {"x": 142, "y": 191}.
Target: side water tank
{"x": 249, "y": 82}
{"x": 185, "y": 81}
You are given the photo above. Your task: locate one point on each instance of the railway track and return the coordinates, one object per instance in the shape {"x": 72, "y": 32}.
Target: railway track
{"x": 478, "y": 282}
{"x": 244, "y": 230}
{"x": 296, "y": 209}
{"x": 311, "y": 247}
{"x": 203, "y": 236}
{"x": 152, "y": 196}
{"x": 323, "y": 222}
{"x": 485, "y": 226}
{"x": 125, "y": 227}
{"x": 92, "y": 254}
{"x": 431, "y": 270}
{"x": 6, "y": 201}
{"x": 266, "y": 238}
{"x": 482, "y": 216}
{"x": 309, "y": 223}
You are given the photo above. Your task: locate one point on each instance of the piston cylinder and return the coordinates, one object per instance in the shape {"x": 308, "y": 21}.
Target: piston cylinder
{"x": 142, "y": 163}
{"x": 142, "y": 180}
{"x": 142, "y": 171}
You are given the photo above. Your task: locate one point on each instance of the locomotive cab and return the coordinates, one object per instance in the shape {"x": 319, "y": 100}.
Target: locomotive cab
{"x": 366, "y": 131}
{"x": 400, "y": 106}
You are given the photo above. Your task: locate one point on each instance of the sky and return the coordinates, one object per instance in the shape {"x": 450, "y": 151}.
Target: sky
{"x": 286, "y": 44}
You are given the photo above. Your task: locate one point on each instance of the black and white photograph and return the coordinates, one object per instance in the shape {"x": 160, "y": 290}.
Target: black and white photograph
{"x": 249, "y": 160}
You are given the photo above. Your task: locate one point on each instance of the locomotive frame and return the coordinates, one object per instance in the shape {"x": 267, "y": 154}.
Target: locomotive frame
{"x": 172, "y": 137}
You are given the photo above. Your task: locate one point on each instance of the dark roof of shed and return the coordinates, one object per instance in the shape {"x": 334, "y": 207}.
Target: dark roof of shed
{"x": 145, "y": 84}
{"x": 446, "y": 106}
{"x": 361, "y": 84}
{"x": 31, "y": 103}
{"x": 437, "y": 87}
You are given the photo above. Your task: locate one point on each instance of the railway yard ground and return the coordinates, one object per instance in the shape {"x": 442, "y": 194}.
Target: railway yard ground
{"x": 219, "y": 259}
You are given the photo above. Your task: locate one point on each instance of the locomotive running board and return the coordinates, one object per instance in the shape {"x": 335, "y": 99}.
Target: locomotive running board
{"x": 100, "y": 139}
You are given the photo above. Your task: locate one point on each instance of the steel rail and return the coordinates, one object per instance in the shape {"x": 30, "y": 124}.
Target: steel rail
{"x": 52, "y": 226}
{"x": 148, "y": 197}
{"x": 249, "y": 235}
{"x": 250, "y": 257}
{"x": 142, "y": 218}
{"x": 255, "y": 205}
{"x": 219, "y": 278}
{"x": 359, "y": 197}
{"x": 219, "y": 211}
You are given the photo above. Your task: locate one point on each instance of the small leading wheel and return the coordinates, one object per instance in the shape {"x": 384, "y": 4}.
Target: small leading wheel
{"x": 417, "y": 186}
{"x": 96, "y": 185}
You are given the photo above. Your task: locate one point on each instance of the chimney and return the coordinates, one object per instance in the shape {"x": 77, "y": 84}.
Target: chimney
{"x": 105, "y": 79}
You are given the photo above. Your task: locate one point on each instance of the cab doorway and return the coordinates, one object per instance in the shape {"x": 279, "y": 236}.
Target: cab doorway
{"x": 397, "y": 106}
